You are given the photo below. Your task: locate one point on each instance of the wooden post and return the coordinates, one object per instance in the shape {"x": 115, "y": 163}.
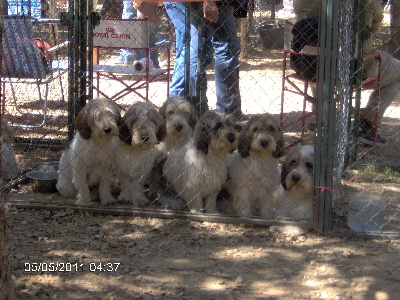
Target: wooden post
{"x": 242, "y": 38}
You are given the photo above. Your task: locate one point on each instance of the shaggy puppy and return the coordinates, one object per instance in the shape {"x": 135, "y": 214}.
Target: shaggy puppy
{"x": 198, "y": 170}
{"x": 89, "y": 159}
{"x": 135, "y": 151}
{"x": 253, "y": 170}
{"x": 10, "y": 168}
{"x": 179, "y": 121}
{"x": 297, "y": 181}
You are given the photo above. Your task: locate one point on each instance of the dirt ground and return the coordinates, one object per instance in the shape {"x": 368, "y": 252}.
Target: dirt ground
{"x": 76, "y": 255}
{"x": 67, "y": 255}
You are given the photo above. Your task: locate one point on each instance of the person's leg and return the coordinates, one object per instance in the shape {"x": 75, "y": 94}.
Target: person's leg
{"x": 226, "y": 46}
{"x": 177, "y": 13}
{"x": 153, "y": 35}
{"x": 390, "y": 86}
{"x": 128, "y": 12}
{"x": 390, "y": 90}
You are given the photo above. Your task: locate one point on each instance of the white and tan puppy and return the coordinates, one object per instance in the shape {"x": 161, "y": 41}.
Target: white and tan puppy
{"x": 89, "y": 159}
{"x": 10, "y": 168}
{"x": 179, "y": 121}
{"x": 198, "y": 170}
{"x": 135, "y": 151}
{"x": 297, "y": 182}
{"x": 253, "y": 170}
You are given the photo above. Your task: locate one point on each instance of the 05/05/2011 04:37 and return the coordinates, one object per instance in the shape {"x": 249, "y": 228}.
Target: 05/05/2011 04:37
{"x": 33, "y": 267}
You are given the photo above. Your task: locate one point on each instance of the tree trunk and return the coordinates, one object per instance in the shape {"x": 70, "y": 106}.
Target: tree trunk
{"x": 393, "y": 45}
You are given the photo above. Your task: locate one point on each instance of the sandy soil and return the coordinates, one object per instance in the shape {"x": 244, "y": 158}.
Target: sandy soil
{"x": 146, "y": 258}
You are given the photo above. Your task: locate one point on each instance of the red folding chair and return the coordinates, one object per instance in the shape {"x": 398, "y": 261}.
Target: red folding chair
{"x": 130, "y": 34}
{"x": 293, "y": 82}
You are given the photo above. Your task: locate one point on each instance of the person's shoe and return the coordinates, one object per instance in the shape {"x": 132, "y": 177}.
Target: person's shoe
{"x": 162, "y": 40}
{"x": 366, "y": 135}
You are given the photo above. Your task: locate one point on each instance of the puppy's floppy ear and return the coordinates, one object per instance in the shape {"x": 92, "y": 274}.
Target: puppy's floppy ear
{"x": 280, "y": 148}
{"x": 238, "y": 127}
{"x": 244, "y": 143}
{"x": 201, "y": 137}
{"x": 159, "y": 121}
{"x": 120, "y": 121}
{"x": 192, "y": 119}
{"x": 124, "y": 133}
{"x": 82, "y": 123}
{"x": 284, "y": 173}
{"x": 162, "y": 109}
{"x": 162, "y": 131}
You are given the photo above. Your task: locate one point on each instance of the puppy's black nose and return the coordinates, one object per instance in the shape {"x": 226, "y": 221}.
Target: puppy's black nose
{"x": 178, "y": 127}
{"x": 231, "y": 137}
{"x": 107, "y": 129}
{"x": 264, "y": 144}
{"x": 144, "y": 138}
{"x": 296, "y": 178}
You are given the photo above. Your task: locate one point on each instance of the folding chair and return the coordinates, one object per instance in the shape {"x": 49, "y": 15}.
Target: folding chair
{"x": 130, "y": 35}
{"x": 290, "y": 83}
{"x": 22, "y": 63}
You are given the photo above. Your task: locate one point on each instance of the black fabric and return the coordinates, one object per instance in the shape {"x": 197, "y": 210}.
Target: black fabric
{"x": 305, "y": 32}
{"x": 240, "y": 7}
{"x": 305, "y": 66}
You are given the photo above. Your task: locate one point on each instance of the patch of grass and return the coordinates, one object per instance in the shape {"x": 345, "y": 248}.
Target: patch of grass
{"x": 371, "y": 172}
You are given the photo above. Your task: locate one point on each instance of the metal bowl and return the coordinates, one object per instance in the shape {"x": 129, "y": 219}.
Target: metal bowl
{"x": 48, "y": 166}
{"x": 45, "y": 178}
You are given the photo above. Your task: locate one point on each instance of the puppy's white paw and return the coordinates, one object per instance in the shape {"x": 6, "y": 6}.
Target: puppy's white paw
{"x": 124, "y": 197}
{"x": 170, "y": 203}
{"x": 140, "y": 200}
{"x": 107, "y": 200}
{"x": 212, "y": 212}
{"x": 82, "y": 200}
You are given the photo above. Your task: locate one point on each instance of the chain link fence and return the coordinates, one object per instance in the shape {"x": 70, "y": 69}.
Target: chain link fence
{"x": 335, "y": 185}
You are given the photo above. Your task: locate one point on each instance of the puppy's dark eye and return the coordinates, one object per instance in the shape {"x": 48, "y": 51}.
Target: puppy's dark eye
{"x": 171, "y": 113}
{"x": 309, "y": 165}
{"x": 254, "y": 129}
{"x": 271, "y": 128}
{"x": 292, "y": 162}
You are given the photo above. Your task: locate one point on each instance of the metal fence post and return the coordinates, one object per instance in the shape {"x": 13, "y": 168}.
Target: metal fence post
{"x": 326, "y": 114}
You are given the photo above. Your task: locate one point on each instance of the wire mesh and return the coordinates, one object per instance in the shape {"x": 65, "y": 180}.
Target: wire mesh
{"x": 357, "y": 172}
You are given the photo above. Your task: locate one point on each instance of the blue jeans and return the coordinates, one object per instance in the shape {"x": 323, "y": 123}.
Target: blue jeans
{"x": 129, "y": 56}
{"x": 220, "y": 39}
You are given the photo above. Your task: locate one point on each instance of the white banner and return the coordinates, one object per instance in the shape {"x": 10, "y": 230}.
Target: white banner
{"x": 121, "y": 34}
